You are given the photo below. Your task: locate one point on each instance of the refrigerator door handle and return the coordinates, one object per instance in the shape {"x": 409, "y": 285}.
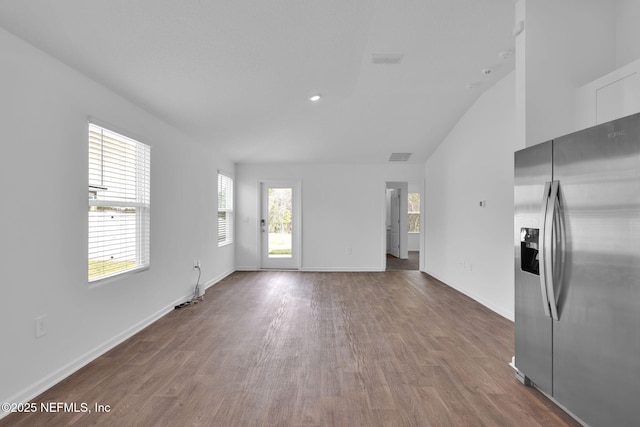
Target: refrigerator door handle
{"x": 548, "y": 248}
{"x": 542, "y": 255}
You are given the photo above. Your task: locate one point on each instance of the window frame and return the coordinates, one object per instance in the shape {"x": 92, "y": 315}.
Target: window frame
{"x": 124, "y": 189}
{"x": 225, "y": 207}
{"x": 409, "y": 213}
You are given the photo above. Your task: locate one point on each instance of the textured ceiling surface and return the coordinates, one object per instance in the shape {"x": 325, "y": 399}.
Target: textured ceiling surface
{"x": 238, "y": 74}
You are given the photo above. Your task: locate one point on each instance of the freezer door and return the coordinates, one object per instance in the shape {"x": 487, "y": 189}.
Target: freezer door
{"x": 533, "y": 329}
{"x": 596, "y": 341}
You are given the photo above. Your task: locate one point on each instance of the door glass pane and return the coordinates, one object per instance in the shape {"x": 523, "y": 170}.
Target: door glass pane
{"x": 280, "y": 203}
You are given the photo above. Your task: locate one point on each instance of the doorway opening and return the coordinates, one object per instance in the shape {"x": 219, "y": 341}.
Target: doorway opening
{"x": 402, "y": 222}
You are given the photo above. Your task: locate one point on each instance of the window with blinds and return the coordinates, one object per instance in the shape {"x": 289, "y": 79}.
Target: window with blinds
{"x": 225, "y": 209}
{"x": 119, "y": 203}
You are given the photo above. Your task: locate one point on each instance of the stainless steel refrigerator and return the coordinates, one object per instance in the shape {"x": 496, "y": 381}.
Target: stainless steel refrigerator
{"x": 577, "y": 271}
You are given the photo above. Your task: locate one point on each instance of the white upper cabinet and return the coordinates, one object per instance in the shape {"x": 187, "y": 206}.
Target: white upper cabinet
{"x": 612, "y": 96}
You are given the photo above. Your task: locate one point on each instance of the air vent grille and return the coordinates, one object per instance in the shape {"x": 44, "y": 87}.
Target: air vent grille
{"x": 386, "y": 58}
{"x": 399, "y": 157}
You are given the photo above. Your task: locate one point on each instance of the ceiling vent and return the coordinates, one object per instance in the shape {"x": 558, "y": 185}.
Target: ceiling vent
{"x": 399, "y": 157}
{"x": 386, "y": 58}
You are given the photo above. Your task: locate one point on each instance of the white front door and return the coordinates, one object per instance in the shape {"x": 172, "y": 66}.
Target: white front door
{"x": 394, "y": 214}
{"x": 280, "y": 225}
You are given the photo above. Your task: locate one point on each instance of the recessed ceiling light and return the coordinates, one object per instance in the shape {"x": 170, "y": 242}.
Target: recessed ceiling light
{"x": 314, "y": 98}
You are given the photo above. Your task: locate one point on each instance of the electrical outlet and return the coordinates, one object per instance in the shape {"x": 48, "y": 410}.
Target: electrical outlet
{"x": 41, "y": 326}
{"x": 196, "y": 264}
{"x": 349, "y": 251}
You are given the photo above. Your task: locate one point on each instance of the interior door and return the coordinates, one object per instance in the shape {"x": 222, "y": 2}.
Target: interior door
{"x": 280, "y": 225}
{"x": 394, "y": 236}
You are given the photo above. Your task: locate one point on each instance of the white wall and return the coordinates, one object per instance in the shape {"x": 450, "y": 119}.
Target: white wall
{"x": 44, "y": 108}
{"x": 468, "y": 247}
{"x": 617, "y": 93}
{"x": 565, "y": 44}
{"x": 343, "y": 206}
{"x": 414, "y": 242}
{"x": 627, "y": 31}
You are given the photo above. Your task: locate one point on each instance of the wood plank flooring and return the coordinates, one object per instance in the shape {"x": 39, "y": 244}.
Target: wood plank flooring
{"x": 310, "y": 349}
{"x": 412, "y": 263}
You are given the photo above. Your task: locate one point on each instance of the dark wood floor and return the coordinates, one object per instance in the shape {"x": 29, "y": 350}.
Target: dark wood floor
{"x": 311, "y": 349}
{"x": 411, "y": 263}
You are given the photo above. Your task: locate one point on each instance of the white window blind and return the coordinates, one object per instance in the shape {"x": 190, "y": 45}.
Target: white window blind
{"x": 119, "y": 203}
{"x": 225, "y": 209}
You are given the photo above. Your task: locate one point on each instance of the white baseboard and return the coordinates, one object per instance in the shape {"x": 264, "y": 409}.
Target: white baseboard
{"x": 247, "y": 268}
{"x": 342, "y": 270}
{"x": 46, "y": 383}
{"x": 218, "y": 278}
{"x": 499, "y": 310}
{"x": 317, "y": 269}
{"x": 70, "y": 368}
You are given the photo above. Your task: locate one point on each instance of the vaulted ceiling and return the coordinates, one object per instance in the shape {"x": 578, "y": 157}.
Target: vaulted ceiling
{"x": 238, "y": 74}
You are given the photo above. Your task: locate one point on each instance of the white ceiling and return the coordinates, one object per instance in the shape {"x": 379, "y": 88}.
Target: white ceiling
{"x": 237, "y": 74}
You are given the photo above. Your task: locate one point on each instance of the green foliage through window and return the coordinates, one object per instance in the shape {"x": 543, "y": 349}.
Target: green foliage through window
{"x": 280, "y": 221}
{"x": 414, "y": 212}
